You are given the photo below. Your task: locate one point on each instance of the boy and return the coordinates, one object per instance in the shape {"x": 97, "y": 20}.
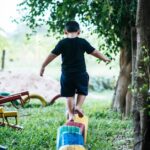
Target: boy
{"x": 74, "y": 78}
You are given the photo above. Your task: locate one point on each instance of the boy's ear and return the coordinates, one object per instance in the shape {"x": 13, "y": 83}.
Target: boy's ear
{"x": 65, "y": 32}
{"x": 78, "y": 32}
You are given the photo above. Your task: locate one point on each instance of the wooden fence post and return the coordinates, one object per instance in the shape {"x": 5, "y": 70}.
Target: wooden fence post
{"x": 3, "y": 59}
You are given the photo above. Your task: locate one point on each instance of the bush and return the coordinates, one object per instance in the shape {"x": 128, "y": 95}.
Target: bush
{"x": 99, "y": 84}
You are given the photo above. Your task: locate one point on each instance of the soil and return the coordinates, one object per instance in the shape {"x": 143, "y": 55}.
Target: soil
{"x": 16, "y": 82}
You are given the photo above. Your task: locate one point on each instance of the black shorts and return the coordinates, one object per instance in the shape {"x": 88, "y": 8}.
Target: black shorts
{"x": 74, "y": 83}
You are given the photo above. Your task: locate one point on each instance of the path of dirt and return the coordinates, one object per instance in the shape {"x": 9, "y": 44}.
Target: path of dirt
{"x": 16, "y": 82}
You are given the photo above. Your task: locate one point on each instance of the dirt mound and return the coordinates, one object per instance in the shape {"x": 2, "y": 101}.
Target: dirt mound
{"x": 16, "y": 82}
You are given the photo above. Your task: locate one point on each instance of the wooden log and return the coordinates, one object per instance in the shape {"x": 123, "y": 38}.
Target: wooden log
{"x": 83, "y": 120}
{"x": 72, "y": 139}
{"x": 76, "y": 124}
{"x": 65, "y": 129}
{"x": 72, "y": 147}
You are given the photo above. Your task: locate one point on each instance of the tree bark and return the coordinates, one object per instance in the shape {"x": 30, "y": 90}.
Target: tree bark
{"x": 141, "y": 110}
{"x": 121, "y": 100}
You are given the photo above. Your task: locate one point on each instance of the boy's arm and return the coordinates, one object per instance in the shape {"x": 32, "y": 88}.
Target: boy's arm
{"x": 99, "y": 55}
{"x": 50, "y": 58}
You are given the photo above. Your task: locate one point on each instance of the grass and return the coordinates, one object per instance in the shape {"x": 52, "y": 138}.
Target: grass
{"x": 106, "y": 129}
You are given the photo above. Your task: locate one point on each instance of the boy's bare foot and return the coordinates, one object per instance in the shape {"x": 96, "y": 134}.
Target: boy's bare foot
{"x": 79, "y": 112}
{"x": 70, "y": 120}
{"x": 70, "y": 117}
{"x": 67, "y": 114}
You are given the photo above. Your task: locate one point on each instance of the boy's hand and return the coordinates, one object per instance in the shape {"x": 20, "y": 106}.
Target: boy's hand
{"x": 99, "y": 55}
{"x": 42, "y": 71}
{"x": 107, "y": 60}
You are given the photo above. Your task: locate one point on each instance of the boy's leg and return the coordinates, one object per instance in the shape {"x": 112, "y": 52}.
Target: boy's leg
{"x": 79, "y": 103}
{"x": 82, "y": 90}
{"x": 70, "y": 102}
{"x": 80, "y": 100}
{"x": 68, "y": 91}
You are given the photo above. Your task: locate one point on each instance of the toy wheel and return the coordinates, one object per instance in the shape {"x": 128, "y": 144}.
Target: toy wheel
{"x": 36, "y": 97}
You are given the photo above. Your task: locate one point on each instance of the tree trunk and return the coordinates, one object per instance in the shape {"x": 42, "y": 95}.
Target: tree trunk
{"x": 122, "y": 100}
{"x": 141, "y": 111}
{"x": 124, "y": 79}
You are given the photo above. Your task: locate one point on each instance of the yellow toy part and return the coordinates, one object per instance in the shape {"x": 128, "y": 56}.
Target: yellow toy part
{"x": 2, "y": 113}
{"x": 72, "y": 147}
{"x": 6, "y": 114}
{"x": 83, "y": 120}
{"x": 35, "y": 96}
{"x": 1, "y": 110}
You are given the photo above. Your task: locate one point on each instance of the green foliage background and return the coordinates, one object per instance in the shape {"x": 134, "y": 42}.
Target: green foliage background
{"x": 110, "y": 19}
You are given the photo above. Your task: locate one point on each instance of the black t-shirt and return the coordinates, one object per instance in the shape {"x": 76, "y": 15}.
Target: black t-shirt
{"x": 72, "y": 51}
